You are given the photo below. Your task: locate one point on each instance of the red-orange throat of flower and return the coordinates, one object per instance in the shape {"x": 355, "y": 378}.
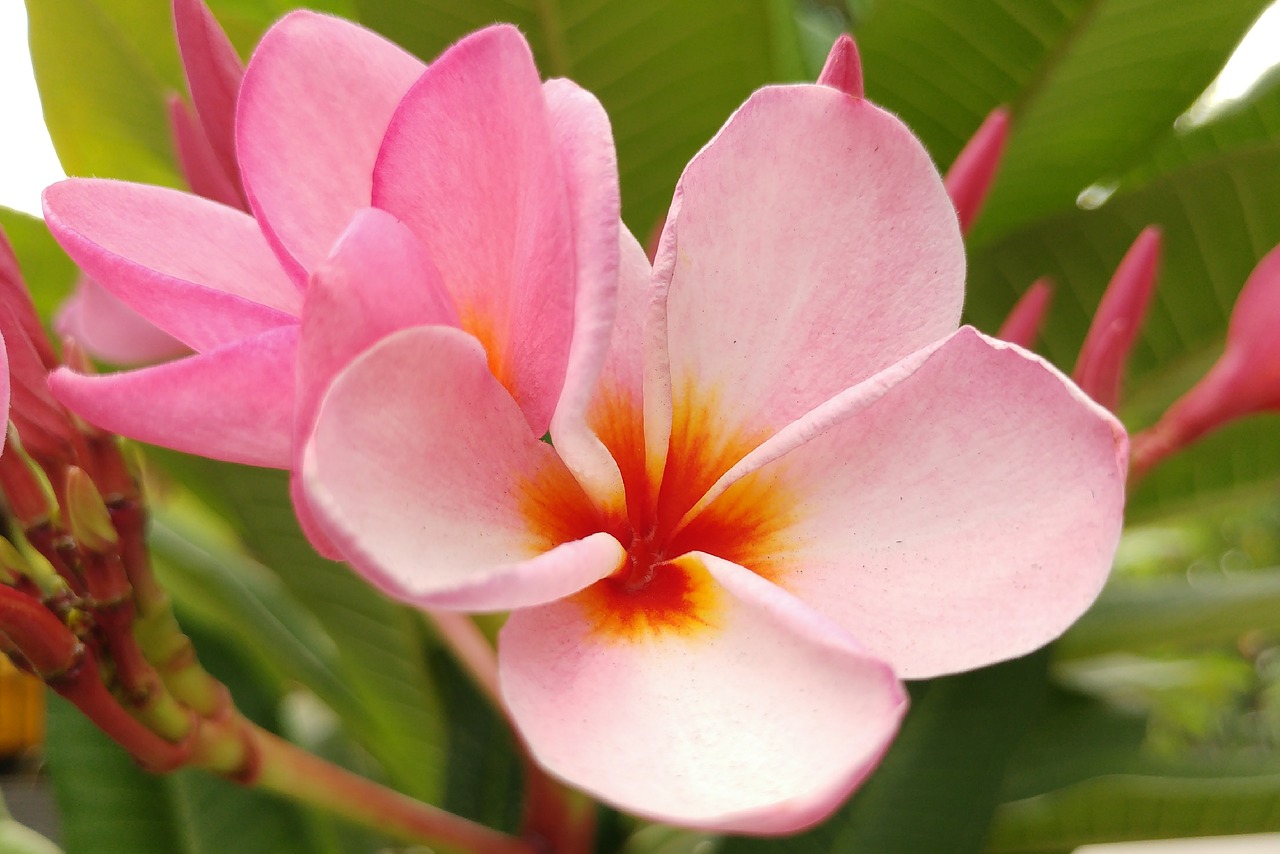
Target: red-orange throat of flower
{"x": 659, "y": 591}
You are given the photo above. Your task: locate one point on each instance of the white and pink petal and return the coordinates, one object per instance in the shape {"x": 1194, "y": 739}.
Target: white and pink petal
{"x": 761, "y": 717}
{"x": 471, "y": 164}
{"x": 198, "y": 270}
{"x": 314, "y": 105}
{"x": 424, "y": 473}
{"x": 233, "y": 403}
{"x": 959, "y": 509}
{"x": 811, "y": 244}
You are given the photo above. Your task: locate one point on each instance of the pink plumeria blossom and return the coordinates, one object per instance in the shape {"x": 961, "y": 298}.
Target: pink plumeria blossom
{"x": 499, "y": 192}
{"x": 1245, "y": 379}
{"x": 781, "y": 482}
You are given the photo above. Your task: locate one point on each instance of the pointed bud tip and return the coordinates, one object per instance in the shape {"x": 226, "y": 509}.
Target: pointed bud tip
{"x": 87, "y": 513}
{"x": 1022, "y": 326}
{"x": 970, "y": 177}
{"x": 843, "y": 68}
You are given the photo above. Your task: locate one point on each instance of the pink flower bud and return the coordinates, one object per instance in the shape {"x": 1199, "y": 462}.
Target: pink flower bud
{"x": 843, "y": 68}
{"x": 1245, "y": 380}
{"x": 214, "y": 72}
{"x": 970, "y": 176}
{"x": 1115, "y": 326}
{"x": 1022, "y": 326}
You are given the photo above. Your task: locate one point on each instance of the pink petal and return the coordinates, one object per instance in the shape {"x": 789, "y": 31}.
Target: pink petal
{"x": 581, "y": 131}
{"x": 811, "y": 245}
{"x": 843, "y": 68}
{"x": 377, "y": 281}
{"x": 234, "y": 403}
{"x": 315, "y": 102}
{"x": 425, "y": 474}
{"x": 111, "y": 331}
{"x": 213, "y": 73}
{"x": 471, "y": 164}
{"x": 200, "y": 166}
{"x": 1022, "y": 326}
{"x": 970, "y": 177}
{"x": 198, "y": 270}
{"x": 760, "y": 721}
{"x": 960, "y": 509}
{"x": 600, "y": 435}
{"x": 1116, "y": 324}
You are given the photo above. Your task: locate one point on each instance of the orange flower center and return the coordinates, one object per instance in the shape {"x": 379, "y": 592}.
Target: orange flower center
{"x": 654, "y": 592}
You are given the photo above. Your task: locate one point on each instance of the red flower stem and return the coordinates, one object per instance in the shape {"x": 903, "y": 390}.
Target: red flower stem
{"x": 82, "y": 685}
{"x": 301, "y": 776}
{"x": 47, "y": 645}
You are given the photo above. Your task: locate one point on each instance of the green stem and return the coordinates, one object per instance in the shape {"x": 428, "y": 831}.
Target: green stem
{"x": 290, "y": 771}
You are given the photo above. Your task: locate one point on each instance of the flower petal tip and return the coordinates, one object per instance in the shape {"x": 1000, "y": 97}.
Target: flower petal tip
{"x": 1022, "y": 326}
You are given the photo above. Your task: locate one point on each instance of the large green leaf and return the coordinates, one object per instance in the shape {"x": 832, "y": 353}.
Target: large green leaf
{"x": 247, "y": 604}
{"x": 936, "y": 789}
{"x": 669, "y": 72}
{"x": 1135, "y": 807}
{"x": 109, "y": 806}
{"x": 381, "y": 646}
{"x": 103, "y": 83}
{"x": 1137, "y": 615}
{"x": 1092, "y": 83}
{"x": 105, "y": 68}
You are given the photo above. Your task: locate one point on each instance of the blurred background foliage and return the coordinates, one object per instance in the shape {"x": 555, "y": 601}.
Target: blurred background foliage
{"x": 1157, "y": 716}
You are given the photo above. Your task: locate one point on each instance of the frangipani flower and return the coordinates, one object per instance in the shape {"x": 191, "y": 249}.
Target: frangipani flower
{"x": 507, "y": 186}
{"x": 783, "y": 481}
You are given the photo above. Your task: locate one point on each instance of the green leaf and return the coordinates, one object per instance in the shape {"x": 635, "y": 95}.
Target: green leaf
{"x": 245, "y": 602}
{"x": 380, "y": 645}
{"x": 669, "y": 73}
{"x": 104, "y": 69}
{"x": 1133, "y": 807}
{"x": 1092, "y": 83}
{"x": 102, "y": 92}
{"x": 47, "y": 270}
{"x": 1133, "y": 616}
{"x": 110, "y": 806}
{"x": 19, "y": 839}
{"x": 936, "y": 789}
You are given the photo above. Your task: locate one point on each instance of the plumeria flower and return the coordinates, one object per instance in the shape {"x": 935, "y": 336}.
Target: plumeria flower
{"x": 502, "y": 189}
{"x": 781, "y": 482}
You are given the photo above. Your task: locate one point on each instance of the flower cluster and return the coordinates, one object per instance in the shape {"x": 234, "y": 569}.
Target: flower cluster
{"x": 778, "y": 478}
{"x": 730, "y": 498}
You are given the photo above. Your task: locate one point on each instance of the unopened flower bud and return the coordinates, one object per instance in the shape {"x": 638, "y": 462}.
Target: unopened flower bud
{"x": 1245, "y": 380}
{"x": 87, "y": 514}
{"x": 1111, "y": 336}
{"x": 1022, "y": 326}
{"x": 970, "y": 177}
{"x": 843, "y": 68}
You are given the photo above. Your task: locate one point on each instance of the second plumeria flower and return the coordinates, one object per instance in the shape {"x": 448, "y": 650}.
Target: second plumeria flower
{"x": 502, "y": 188}
{"x": 784, "y": 481}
